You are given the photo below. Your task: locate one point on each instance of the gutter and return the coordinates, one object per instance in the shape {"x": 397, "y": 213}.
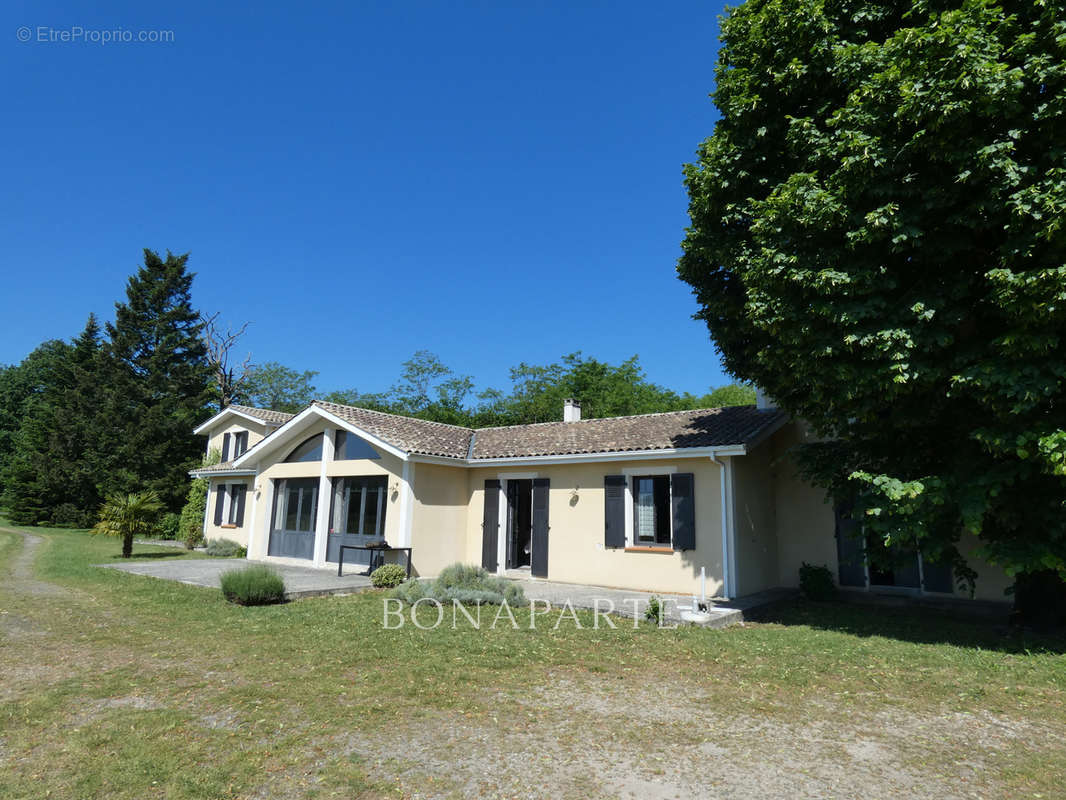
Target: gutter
{"x": 728, "y": 535}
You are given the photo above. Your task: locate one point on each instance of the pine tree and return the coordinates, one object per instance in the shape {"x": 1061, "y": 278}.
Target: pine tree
{"x": 160, "y": 390}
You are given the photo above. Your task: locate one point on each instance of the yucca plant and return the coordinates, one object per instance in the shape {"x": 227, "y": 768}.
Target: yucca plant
{"x": 128, "y": 515}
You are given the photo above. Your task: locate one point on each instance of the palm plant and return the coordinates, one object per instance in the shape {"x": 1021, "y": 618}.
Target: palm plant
{"x": 128, "y": 515}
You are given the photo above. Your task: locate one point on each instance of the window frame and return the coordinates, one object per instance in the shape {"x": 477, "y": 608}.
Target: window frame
{"x": 657, "y": 479}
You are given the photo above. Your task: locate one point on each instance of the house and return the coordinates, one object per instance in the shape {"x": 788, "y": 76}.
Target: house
{"x": 642, "y": 502}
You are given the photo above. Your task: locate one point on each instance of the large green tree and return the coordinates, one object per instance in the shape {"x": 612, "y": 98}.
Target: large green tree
{"x": 877, "y": 239}
{"x": 162, "y": 389}
{"x": 275, "y": 386}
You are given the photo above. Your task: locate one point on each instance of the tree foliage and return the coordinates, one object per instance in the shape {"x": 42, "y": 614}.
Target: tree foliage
{"x": 162, "y": 385}
{"x": 273, "y": 385}
{"x": 128, "y": 515}
{"x": 877, "y": 239}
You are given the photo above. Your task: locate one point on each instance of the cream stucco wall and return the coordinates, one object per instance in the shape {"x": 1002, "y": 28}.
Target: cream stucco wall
{"x": 235, "y": 534}
{"x": 439, "y": 521}
{"x": 576, "y": 551}
{"x": 755, "y": 527}
{"x": 256, "y": 432}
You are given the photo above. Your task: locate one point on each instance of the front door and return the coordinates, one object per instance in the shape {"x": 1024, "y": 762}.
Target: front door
{"x": 357, "y": 516}
{"x": 292, "y": 532}
{"x": 519, "y": 523}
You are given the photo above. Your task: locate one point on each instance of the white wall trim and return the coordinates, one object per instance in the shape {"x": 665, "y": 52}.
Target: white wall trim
{"x": 732, "y": 529}
{"x": 251, "y": 514}
{"x": 407, "y": 499}
{"x": 227, "y": 411}
{"x": 584, "y": 458}
{"x": 324, "y": 497}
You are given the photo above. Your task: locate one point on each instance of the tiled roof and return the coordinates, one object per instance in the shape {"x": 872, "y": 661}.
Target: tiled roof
{"x": 407, "y": 433}
{"x": 265, "y": 414}
{"x": 707, "y": 427}
{"x": 225, "y": 466}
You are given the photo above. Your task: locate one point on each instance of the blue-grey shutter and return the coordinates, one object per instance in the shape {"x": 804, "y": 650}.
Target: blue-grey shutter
{"x": 538, "y": 563}
{"x": 937, "y": 576}
{"x": 239, "y": 500}
{"x": 851, "y": 555}
{"x": 220, "y": 499}
{"x": 490, "y": 525}
{"x": 614, "y": 511}
{"x": 905, "y": 570}
{"x": 683, "y": 500}
{"x": 225, "y": 447}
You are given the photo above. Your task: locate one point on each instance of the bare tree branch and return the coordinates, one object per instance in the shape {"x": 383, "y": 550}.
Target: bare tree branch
{"x": 220, "y": 343}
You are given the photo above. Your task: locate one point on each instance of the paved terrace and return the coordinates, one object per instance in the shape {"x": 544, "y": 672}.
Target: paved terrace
{"x": 308, "y": 582}
{"x": 299, "y": 581}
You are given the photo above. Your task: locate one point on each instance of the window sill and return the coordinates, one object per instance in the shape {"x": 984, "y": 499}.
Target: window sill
{"x": 227, "y": 525}
{"x": 649, "y": 550}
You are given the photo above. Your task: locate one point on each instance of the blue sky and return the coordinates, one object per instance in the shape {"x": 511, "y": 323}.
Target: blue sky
{"x": 493, "y": 182}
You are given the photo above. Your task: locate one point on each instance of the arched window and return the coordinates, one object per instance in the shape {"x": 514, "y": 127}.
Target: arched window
{"x": 309, "y": 450}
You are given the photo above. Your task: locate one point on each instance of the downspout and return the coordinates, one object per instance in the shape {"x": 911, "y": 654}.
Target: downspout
{"x": 726, "y": 576}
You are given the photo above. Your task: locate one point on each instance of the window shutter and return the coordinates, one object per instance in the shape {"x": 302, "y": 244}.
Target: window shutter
{"x": 538, "y": 566}
{"x": 851, "y": 555}
{"x": 490, "y": 525}
{"x": 220, "y": 499}
{"x": 241, "y": 491}
{"x": 682, "y": 490}
{"x": 225, "y": 447}
{"x": 614, "y": 512}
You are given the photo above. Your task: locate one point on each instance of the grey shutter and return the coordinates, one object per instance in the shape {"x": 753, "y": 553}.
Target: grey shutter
{"x": 937, "y": 576}
{"x": 225, "y": 447}
{"x": 241, "y": 491}
{"x": 683, "y": 500}
{"x": 614, "y": 511}
{"x": 490, "y": 525}
{"x": 851, "y": 555}
{"x": 538, "y": 563}
{"x": 220, "y": 499}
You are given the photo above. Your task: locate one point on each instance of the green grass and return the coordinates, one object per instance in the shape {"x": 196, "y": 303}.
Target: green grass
{"x": 130, "y": 687}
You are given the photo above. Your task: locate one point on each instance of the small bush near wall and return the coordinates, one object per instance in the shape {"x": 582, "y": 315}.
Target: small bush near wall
{"x": 257, "y": 585}
{"x": 224, "y": 548}
{"x": 653, "y": 613}
{"x": 816, "y": 582}
{"x": 388, "y": 575}
{"x": 469, "y": 584}
{"x": 168, "y": 526}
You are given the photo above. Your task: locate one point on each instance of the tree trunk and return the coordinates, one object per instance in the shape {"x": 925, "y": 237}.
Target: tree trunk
{"x": 127, "y": 545}
{"x": 1040, "y": 599}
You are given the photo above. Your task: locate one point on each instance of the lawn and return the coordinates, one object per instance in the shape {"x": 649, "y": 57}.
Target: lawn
{"x": 123, "y": 686}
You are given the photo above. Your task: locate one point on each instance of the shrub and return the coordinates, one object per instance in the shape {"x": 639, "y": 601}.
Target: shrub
{"x": 410, "y": 591}
{"x": 654, "y": 610}
{"x": 168, "y": 526}
{"x": 469, "y": 584}
{"x": 256, "y": 585}
{"x": 816, "y": 582}
{"x": 224, "y": 548}
{"x": 388, "y": 575}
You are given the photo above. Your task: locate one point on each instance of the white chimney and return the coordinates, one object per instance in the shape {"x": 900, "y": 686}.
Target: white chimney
{"x": 763, "y": 401}
{"x": 571, "y": 410}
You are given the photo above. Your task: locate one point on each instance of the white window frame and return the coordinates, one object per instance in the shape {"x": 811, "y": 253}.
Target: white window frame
{"x": 644, "y": 472}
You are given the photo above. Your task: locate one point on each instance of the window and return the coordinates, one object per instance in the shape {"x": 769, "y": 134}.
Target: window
{"x": 359, "y": 505}
{"x": 237, "y": 492}
{"x": 651, "y": 511}
{"x": 240, "y": 444}
{"x": 352, "y": 448}
{"x": 296, "y": 504}
{"x": 308, "y": 450}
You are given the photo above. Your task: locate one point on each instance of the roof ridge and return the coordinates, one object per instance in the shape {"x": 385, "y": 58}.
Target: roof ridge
{"x": 327, "y": 404}
{"x": 605, "y": 419}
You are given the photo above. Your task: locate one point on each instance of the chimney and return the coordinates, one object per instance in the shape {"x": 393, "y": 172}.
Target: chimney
{"x": 763, "y": 401}
{"x": 571, "y": 410}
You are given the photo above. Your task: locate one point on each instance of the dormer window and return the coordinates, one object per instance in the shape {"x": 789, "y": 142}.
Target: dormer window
{"x": 234, "y": 445}
{"x": 308, "y": 450}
